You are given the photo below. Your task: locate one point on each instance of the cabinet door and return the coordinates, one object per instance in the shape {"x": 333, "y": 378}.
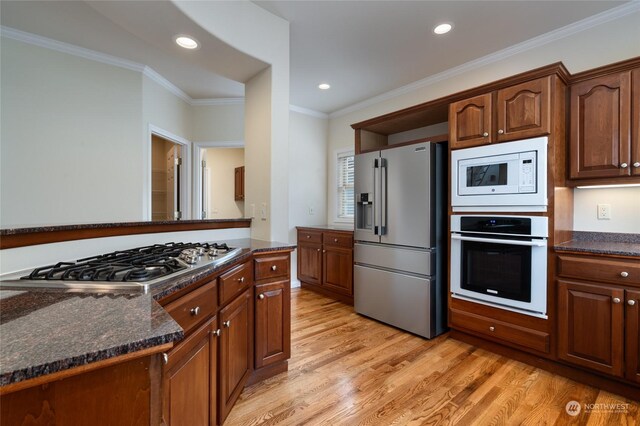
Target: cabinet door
{"x": 591, "y": 326}
{"x": 632, "y": 335}
{"x": 470, "y": 122}
{"x": 601, "y": 127}
{"x": 236, "y": 350}
{"x": 338, "y": 270}
{"x": 272, "y": 323}
{"x": 239, "y": 184}
{"x": 635, "y": 123}
{"x": 524, "y": 110}
{"x": 190, "y": 379}
{"x": 310, "y": 263}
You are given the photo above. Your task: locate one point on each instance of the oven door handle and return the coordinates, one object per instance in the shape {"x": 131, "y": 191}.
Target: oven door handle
{"x": 533, "y": 243}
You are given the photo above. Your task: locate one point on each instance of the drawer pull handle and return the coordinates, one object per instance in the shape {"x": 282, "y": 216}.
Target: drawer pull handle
{"x": 616, "y": 300}
{"x": 227, "y": 323}
{"x": 335, "y": 240}
{"x": 274, "y": 267}
{"x": 195, "y": 311}
{"x": 624, "y": 274}
{"x": 492, "y": 328}
{"x": 165, "y": 358}
{"x": 216, "y": 333}
{"x": 261, "y": 296}
{"x": 631, "y": 302}
{"x": 241, "y": 279}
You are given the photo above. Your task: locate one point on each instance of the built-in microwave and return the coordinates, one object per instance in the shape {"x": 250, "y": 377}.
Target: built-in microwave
{"x": 509, "y": 176}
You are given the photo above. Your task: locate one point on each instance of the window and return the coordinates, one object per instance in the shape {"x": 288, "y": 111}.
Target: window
{"x": 345, "y": 185}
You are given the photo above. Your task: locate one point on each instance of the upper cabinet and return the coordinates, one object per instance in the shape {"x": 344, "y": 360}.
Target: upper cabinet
{"x": 516, "y": 112}
{"x": 605, "y": 125}
{"x": 239, "y": 184}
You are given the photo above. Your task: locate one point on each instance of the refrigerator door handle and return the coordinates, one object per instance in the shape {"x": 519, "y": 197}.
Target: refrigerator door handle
{"x": 383, "y": 196}
{"x": 376, "y": 200}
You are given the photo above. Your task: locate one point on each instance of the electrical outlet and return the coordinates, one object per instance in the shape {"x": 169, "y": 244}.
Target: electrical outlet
{"x": 604, "y": 211}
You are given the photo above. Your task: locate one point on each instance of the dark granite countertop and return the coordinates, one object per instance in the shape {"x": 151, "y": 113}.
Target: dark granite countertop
{"x": 55, "y": 228}
{"x": 345, "y": 228}
{"x": 43, "y": 331}
{"x": 619, "y": 244}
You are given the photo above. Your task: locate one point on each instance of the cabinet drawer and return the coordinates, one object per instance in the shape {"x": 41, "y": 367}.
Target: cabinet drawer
{"x": 509, "y": 333}
{"x": 615, "y": 271}
{"x": 194, "y": 307}
{"x": 234, "y": 282}
{"x": 337, "y": 239}
{"x": 271, "y": 266}
{"x": 310, "y": 236}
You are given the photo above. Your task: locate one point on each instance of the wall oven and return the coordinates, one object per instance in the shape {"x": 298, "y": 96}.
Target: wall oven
{"x": 508, "y": 176}
{"x": 500, "y": 261}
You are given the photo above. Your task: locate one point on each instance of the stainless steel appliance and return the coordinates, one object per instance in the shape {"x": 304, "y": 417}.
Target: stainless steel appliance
{"x": 509, "y": 176}
{"x": 135, "y": 269}
{"x": 399, "y": 243}
{"x": 500, "y": 261}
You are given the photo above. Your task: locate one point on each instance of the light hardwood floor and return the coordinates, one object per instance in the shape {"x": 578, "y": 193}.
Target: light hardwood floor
{"x": 348, "y": 370}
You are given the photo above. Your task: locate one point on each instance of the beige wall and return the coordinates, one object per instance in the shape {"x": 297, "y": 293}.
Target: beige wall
{"x": 66, "y": 157}
{"x": 218, "y": 123}
{"x": 625, "y": 209}
{"x": 221, "y": 163}
{"x": 163, "y": 109}
{"x": 603, "y": 44}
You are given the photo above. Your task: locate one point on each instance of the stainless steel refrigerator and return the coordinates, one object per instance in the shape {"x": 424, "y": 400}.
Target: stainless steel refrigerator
{"x": 400, "y": 231}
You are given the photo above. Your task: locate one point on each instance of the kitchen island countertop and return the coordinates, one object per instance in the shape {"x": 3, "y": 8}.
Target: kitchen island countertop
{"x": 44, "y": 331}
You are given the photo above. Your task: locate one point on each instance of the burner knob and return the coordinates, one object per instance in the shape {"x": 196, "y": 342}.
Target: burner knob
{"x": 213, "y": 252}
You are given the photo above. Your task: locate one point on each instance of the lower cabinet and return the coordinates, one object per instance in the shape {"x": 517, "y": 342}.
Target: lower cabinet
{"x": 273, "y": 327}
{"x": 190, "y": 379}
{"x": 236, "y": 350}
{"x": 632, "y": 334}
{"x": 337, "y": 274}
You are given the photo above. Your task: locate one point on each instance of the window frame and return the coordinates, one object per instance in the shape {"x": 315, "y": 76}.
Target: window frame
{"x": 337, "y": 188}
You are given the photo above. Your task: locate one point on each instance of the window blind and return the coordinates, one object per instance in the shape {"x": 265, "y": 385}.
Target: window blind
{"x": 345, "y": 186}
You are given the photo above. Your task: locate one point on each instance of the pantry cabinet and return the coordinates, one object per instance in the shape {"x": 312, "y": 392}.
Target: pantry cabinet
{"x": 598, "y": 321}
{"x": 325, "y": 262}
{"x": 516, "y": 112}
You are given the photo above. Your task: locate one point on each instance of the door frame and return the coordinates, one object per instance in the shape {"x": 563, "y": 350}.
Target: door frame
{"x": 198, "y": 151}
{"x": 185, "y": 173}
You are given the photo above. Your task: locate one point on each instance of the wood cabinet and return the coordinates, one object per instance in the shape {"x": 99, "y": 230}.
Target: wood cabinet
{"x": 239, "y": 184}
{"x": 190, "y": 379}
{"x": 325, "y": 262}
{"x": 517, "y": 112}
{"x": 635, "y": 122}
{"x": 272, "y": 324}
{"x": 236, "y": 350}
{"x": 598, "y": 322}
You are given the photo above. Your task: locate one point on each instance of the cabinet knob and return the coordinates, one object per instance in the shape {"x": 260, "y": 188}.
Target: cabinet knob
{"x": 165, "y": 358}
{"x": 227, "y": 323}
{"x": 324, "y": 251}
{"x": 624, "y": 165}
{"x": 500, "y": 131}
{"x": 261, "y": 296}
{"x": 318, "y": 250}
{"x": 636, "y": 164}
{"x": 195, "y": 311}
{"x": 616, "y": 300}
{"x": 335, "y": 240}
{"x": 274, "y": 267}
{"x": 216, "y": 333}
{"x": 624, "y": 274}
{"x": 241, "y": 279}
{"x": 492, "y": 328}
{"x": 308, "y": 236}
{"x": 485, "y": 134}
{"x": 631, "y": 302}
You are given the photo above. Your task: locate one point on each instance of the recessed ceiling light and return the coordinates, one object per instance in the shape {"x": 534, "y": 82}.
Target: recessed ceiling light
{"x": 324, "y": 86}
{"x": 187, "y": 42}
{"x": 442, "y": 29}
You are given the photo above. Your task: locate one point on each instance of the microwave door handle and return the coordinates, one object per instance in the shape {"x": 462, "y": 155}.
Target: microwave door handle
{"x": 534, "y": 243}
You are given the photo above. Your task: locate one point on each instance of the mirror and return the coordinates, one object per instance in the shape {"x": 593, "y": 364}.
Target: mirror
{"x": 80, "y": 128}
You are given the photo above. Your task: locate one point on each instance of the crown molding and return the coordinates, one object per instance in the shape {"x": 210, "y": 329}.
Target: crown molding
{"x": 307, "y": 111}
{"x": 70, "y": 49}
{"x": 217, "y": 101}
{"x": 156, "y": 77}
{"x": 557, "y": 34}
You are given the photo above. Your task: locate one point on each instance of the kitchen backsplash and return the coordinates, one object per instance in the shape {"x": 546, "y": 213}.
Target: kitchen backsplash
{"x": 624, "y": 207}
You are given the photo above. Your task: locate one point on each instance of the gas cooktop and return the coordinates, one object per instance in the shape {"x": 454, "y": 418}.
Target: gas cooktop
{"x": 134, "y": 269}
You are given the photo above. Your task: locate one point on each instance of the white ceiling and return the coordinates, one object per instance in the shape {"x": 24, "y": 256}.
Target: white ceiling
{"x": 362, "y": 48}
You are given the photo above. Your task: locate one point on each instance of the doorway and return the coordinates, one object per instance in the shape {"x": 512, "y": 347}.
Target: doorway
{"x": 222, "y": 177}
{"x": 166, "y": 179}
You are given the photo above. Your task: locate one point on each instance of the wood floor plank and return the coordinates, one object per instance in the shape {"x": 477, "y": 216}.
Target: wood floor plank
{"x": 349, "y": 370}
